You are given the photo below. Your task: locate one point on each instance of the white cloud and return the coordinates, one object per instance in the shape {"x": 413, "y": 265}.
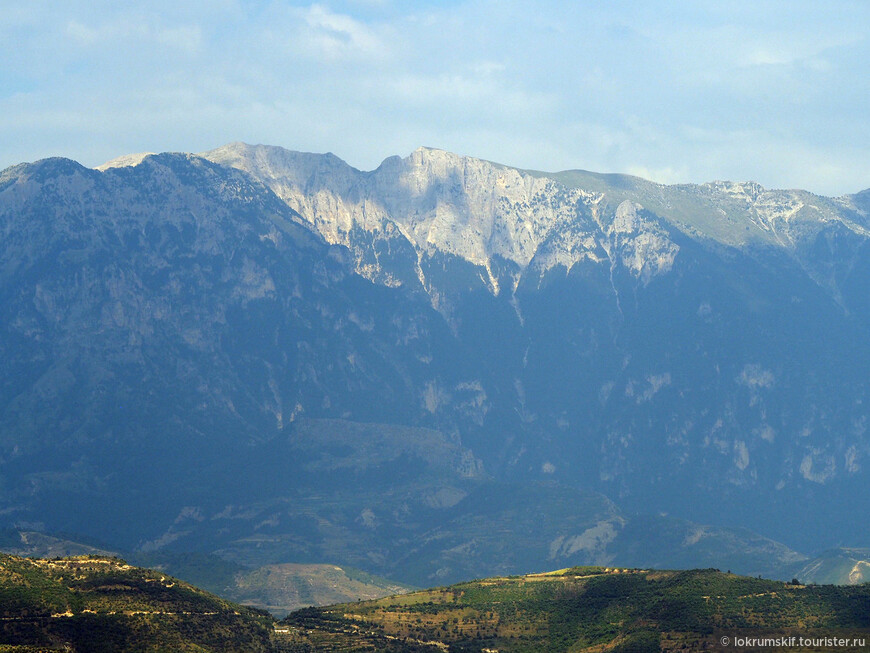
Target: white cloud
{"x": 338, "y": 36}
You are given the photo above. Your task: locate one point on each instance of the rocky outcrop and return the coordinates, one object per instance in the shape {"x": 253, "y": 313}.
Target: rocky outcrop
{"x": 442, "y": 203}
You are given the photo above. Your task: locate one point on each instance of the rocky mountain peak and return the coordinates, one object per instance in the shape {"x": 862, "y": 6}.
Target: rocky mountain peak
{"x": 440, "y": 203}
{"x": 747, "y": 191}
{"x": 125, "y": 161}
{"x": 437, "y": 201}
{"x": 277, "y": 163}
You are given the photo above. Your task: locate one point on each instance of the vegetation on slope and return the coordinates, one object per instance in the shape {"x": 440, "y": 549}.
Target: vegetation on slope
{"x": 590, "y": 609}
{"x": 97, "y": 603}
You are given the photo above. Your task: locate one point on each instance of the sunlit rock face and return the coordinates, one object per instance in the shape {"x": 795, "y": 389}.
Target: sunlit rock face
{"x": 183, "y": 323}
{"x": 433, "y": 204}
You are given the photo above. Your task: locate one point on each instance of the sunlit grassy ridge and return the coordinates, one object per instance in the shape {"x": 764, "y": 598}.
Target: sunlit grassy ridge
{"x": 595, "y": 609}
{"x": 95, "y": 603}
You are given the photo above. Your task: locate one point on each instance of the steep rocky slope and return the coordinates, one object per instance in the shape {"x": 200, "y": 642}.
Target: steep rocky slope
{"x": 481, "y": 212}
{"x": 680, "y": 326}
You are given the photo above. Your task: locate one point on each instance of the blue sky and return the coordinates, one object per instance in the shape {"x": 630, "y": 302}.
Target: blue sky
{"x": 775, "y": 92}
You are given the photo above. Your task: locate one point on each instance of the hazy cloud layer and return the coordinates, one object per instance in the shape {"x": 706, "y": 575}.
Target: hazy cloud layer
{"x": 777, "y": 92}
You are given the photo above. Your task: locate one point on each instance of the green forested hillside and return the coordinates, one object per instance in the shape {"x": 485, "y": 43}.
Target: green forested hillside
{"x": 96, "y": 603}
{"x": 591, "y": 609}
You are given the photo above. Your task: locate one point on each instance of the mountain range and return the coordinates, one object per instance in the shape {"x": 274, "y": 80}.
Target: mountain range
{"x": 440, "y": 369}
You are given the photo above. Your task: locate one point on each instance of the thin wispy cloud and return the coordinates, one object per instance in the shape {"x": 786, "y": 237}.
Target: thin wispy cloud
{"x": 109, "y": 36}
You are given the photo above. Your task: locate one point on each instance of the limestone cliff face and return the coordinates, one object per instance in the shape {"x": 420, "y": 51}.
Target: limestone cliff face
{"x": 439, "y": 202}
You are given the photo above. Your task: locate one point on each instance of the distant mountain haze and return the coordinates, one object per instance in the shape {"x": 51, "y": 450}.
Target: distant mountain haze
{"x": 440, "y": 369}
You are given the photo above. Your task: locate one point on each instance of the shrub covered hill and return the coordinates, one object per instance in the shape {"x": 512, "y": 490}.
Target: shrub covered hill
{"x": 97, "y": 603}
{"x": 595, "y": 609}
